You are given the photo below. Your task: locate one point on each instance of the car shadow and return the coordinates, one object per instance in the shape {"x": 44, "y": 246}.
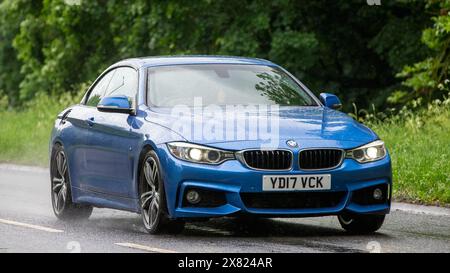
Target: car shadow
{"x": 228, "y": 227}
{"x": 262, "y": 227}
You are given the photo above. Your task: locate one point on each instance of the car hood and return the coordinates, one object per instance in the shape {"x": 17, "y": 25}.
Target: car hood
{"x": 308, "y": 126}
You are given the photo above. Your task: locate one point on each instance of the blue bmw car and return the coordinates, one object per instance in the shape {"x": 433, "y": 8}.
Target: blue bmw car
{"x": 181, "y": 138}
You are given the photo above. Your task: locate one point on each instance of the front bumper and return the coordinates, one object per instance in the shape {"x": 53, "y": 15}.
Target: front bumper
{"x": 236, "y": 183}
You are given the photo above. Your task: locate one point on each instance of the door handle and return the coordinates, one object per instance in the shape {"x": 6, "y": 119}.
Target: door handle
{"x": 90, "y": 121}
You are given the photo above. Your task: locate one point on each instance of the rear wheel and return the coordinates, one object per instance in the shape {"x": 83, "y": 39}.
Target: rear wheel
{"x": 152, "y": 198}
{"x": 61, "y": 193}
{"x": 360, "y": 223}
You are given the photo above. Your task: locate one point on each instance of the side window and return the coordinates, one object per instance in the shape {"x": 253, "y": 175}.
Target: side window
{"x": 98, "y": 92}
{"x": 123, "y": 83}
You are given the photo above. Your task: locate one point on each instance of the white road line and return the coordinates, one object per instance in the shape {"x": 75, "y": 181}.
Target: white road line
{"x": 145, "y": 248}
{"x": 14, "y": 223}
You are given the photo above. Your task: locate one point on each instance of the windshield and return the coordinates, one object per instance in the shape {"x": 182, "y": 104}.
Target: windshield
{"x": 223, "y": 84}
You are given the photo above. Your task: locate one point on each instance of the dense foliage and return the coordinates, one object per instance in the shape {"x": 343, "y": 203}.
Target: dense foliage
{"x": 430, "y": 77}
{"x": 346, "y": 47}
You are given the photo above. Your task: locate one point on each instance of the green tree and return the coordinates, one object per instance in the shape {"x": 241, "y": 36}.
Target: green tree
{"x": 63, "y": 46}
{"x": 346, "y": 47}
{"x": 429, "y": 78}
{"x": 12, "y": 14}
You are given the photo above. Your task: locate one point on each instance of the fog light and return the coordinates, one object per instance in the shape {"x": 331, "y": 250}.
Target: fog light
{"x": 193, "y": 197}
{"x": 377, "y": 194}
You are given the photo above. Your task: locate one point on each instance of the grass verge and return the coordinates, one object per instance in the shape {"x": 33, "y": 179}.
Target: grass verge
{"x": 25, "y": 133}
{"x": 419, "y": 144}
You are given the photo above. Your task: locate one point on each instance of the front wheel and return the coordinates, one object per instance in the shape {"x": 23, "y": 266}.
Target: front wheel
{"x": 61, "y": 193}
{"x": 361, "y": 224}
{"x": 152, "y": 198}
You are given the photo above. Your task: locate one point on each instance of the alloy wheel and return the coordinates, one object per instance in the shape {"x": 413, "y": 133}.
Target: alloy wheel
{"x": 59, "y": 183}
{"x": 150, "y": 197}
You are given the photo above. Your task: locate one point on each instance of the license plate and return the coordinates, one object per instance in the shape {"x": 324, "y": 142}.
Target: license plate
{"x": 296, "y": 182}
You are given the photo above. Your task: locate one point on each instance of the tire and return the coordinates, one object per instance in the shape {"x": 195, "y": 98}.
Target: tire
{"x": 60, "y": 189}
{"x": 361, "y": 224}
{"x": 152, "y": 198}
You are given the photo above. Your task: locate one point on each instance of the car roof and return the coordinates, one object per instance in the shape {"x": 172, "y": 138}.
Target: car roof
{"x": 194, "y": 59}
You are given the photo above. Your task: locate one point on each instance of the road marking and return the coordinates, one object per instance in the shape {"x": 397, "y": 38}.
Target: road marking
{"x": 420, "y": 209}
{"x": 14, "y": 223}
{"x": 145, "y": 248}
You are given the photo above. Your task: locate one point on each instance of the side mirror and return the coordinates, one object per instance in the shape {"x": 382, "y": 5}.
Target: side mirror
{"x": 330, "y": 101}
{"x": 119, "y": 104}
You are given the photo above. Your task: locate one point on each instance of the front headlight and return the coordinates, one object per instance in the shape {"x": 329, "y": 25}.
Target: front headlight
{"x": 198, "y": 154}
{"x": 368, "y": 153}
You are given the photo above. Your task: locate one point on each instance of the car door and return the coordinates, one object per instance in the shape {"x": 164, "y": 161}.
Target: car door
{"x": 112, "y": 140}
{"x": 77, "y": 135}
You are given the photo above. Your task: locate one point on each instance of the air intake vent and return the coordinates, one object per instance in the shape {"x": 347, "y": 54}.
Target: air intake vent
{"x": 317, "y": 159}
{"x": 268, "y": 159}
{"x": 292, "y": 200}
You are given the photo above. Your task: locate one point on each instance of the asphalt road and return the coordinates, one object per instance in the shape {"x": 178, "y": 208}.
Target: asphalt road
{"x": 27, "y": 224}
